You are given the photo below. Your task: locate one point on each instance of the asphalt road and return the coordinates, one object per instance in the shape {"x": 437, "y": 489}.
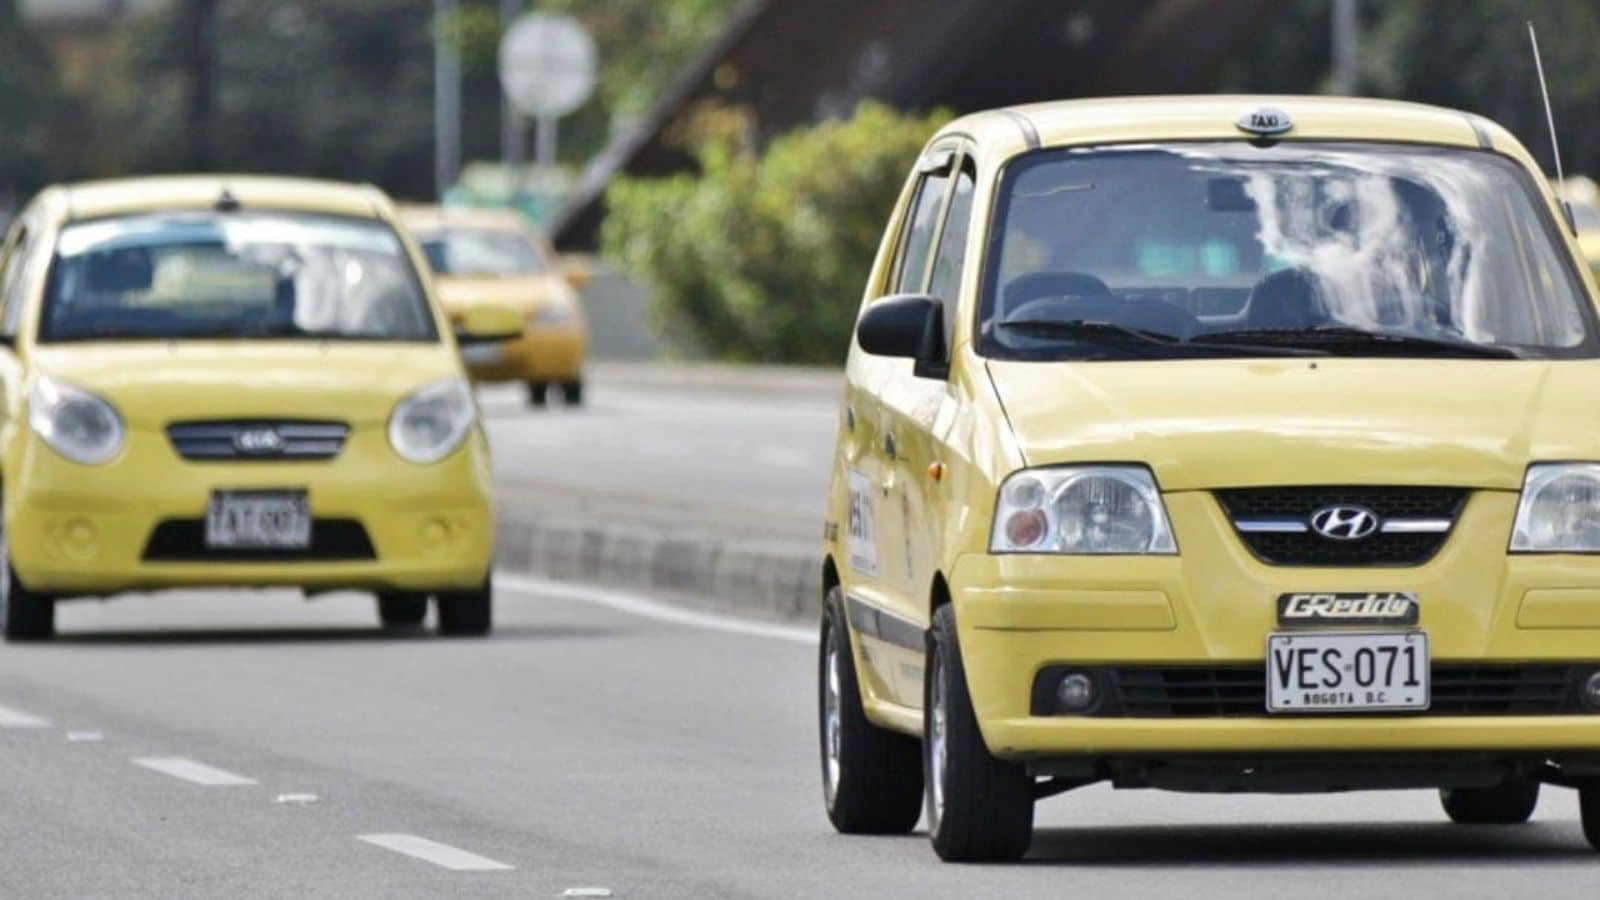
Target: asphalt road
{"x": 254, "y": 745}
{"x": 715, "y": 456}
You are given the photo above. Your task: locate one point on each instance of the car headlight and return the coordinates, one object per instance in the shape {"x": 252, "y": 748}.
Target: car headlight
{"x": 432, "y": 422}
{"x": 75, "y": 423}
{"x": 554, "y": 314}
{"x": 1081, "y": 510}
{"x": 1560, "y": 509}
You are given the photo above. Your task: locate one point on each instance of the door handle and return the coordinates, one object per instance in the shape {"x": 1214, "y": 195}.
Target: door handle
{"x": 890, "y": 449}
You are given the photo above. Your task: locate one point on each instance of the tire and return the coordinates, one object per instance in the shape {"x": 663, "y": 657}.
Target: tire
{"x": 1589, "y": 808}
{"x": 572, "y": 393}
{"x": 28, "y": 616}
{"x": 980, "y": 809}
{"x": 871, "y": 777}
{"x": 466, "y": 613}
{"x": 402, "y": 609}
{"x": 1511, "y": 803}
{"x": 538, "y": 393}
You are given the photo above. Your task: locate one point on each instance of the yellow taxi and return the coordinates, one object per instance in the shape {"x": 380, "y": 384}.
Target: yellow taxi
{"x": 493, "y": 256}
{"x": 1214, "y": 444}
{"x": 235, "y": 382}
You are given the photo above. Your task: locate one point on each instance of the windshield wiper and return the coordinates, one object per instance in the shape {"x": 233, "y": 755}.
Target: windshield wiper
{"x": 1089, "y": 329}
{"x": 1332, "y": 337}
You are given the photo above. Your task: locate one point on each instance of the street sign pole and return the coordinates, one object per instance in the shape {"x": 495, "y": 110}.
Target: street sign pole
{"x": 547, "y": 70}
{"x": 513, "y": 127}
{"x": 446, "y": 99}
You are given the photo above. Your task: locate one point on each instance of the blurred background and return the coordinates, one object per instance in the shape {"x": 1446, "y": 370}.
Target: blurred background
{"x": 735, "y": 163}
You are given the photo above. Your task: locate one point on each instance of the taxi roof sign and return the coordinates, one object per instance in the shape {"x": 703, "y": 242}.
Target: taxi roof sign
{"x": 1265, "y": 120}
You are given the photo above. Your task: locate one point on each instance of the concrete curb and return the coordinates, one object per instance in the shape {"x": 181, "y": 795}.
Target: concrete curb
{"x": 779, "y": 581}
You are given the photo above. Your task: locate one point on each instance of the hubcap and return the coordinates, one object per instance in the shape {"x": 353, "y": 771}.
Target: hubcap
{"x": 936, "y": 738}
{"x": 830, "y": 721}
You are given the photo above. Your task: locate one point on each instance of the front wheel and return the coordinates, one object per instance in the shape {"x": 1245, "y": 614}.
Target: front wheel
{"x": 27, "y": 615}
{"x": 980, "y": 809}
{"x": 572, "y": 393}
{"x": 871, "y": 777}
{"x": 1511, "y": 803}
{"x": 467, "y": 613}
{"x": 402, "y": 609}
{"x": 1589, "y": 809}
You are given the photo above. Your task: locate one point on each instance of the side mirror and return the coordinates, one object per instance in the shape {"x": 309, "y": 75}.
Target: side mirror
{"x": 578, "y": 272}
{"x": 488, "y": 323}
{"x": 910, "y": 326}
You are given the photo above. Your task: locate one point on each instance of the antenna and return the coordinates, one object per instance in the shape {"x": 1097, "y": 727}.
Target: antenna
{"x": 1550, "y": 118}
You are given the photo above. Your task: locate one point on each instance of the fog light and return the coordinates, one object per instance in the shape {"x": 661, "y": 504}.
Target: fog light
{"x": 1076, "y": 692}
{"x": 1591, "y": 692}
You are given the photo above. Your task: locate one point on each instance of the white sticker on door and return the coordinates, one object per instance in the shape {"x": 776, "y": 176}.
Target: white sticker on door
{"x": 863, "y": 526}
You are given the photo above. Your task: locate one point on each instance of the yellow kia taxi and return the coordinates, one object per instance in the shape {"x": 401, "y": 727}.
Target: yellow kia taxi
{"x": 1214, "y": 444}
{"x": 235, "y": 382}
{"x": 492, "y": 256}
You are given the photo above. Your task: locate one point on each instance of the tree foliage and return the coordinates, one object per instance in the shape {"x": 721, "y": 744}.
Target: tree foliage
{"x": 762, "y": 256}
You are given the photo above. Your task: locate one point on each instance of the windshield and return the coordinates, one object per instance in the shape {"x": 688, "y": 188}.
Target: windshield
{"x": 482, "y": 252}
{"x": 233, "y": 275}
{"x": 1349, "y": 249}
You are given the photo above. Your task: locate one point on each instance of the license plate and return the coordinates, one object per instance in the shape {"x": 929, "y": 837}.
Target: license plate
{"x": 1347, "y": 672}
{"x": 262, "y": 519}
{"x": 483, "y": 354}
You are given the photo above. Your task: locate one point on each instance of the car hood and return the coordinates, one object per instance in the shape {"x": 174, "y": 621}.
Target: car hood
{"x": 1240, "y": 423}
{"x": 157, "y": 382}
{"x": 526, "y": 294}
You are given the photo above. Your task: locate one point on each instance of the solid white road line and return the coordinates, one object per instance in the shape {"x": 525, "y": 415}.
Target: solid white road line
{"x": 16, "y": 718}
{"x": 639, "y": 605}
{"x": 432, "y": 851}
{"x": 189, "y": 770}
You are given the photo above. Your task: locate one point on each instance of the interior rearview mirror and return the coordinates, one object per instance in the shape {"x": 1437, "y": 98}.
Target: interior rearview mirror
{"x": 910, "y": 326}
{"x": 486, "y": 323}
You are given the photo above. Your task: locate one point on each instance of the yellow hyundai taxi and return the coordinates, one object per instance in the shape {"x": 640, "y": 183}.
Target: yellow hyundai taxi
{"x": 1214, "y": 444}
{"x": 235, "y": 382}
{"x": 492, "y": 256}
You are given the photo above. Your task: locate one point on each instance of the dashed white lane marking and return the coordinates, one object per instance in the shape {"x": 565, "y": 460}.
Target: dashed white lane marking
{"x": 16, "y": 718}
{"x": 449, "y": 857}
{"x": 189, "y": 770}
{"x": 639, "y": 605}
{"x": 586, "y": 892}
{"x": 85, "y": 737}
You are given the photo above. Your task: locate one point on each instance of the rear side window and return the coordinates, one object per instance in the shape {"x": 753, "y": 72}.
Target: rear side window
{"x": 922, "y": 222}
{"x": 12, "y": 266}
{"x": 950, "y": 260}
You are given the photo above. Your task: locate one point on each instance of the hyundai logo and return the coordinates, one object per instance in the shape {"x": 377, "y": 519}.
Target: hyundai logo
{"x": 261, "y": 441}
{"x": 1344, "y": 523}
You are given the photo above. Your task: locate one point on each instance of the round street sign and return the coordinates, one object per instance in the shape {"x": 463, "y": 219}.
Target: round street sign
{"x": 547, "y": 64}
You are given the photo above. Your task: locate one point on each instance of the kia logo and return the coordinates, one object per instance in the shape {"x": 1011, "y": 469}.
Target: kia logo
{"x": 1344, "y": 523}
{"x": 258, "y": 441}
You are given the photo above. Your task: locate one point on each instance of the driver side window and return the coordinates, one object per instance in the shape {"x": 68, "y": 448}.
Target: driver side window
{"x": 12, "y": 266}
{"x": 921, "y": 226}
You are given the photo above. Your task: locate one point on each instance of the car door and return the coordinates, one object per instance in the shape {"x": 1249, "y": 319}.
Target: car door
{"x": 899, "y": 619}
{"x": 17, "y": 264}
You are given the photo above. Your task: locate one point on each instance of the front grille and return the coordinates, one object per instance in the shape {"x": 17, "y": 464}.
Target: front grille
{"x": 276, "y": 440}
{"x": 1175, "y": 692}
{"x": 1307, "y": 548}
{"x": 332, "y": 540}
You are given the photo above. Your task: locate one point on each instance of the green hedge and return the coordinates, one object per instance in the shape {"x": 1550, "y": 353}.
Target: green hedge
{"x": 763, "y": 257}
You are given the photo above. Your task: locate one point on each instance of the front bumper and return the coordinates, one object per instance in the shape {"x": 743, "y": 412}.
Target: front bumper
{"x": 543, "y": 353}
{"x": 1216, "y": 603}
{"x": 75, "y": 529}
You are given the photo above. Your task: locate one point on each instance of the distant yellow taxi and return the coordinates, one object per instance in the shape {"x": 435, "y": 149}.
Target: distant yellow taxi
{"x": 235, "y": 382}
{"x": 1214, "y": 444}
{"x": 493, "y": 256}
